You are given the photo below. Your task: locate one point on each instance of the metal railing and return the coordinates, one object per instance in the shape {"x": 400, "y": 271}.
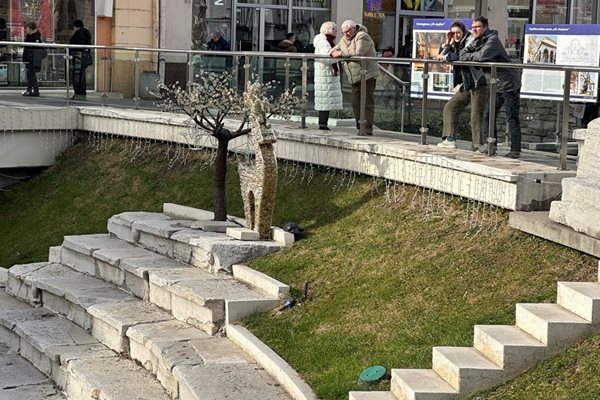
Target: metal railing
{"x": 158, "y": 58}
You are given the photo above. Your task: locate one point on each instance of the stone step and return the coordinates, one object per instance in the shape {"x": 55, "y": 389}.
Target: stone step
{"x": 200, "y": 301}
{"x": 420, "y": 384}
{"x": 509, "y": 347}
{"x": 193, "y": 365}
{"x": 371, "y": 396}
{"x": 580, "y": 298}
{"x": 79, "y": 365}
{"x": 551, "y": 324}
{"x": 465, "y": 369}
{"x": 191, "y": 294}
{"x": 19, "y": 380}
{"x": 183, "y": 240}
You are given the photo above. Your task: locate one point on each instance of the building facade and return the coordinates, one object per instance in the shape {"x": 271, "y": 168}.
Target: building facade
{"x": 248, "y": 25}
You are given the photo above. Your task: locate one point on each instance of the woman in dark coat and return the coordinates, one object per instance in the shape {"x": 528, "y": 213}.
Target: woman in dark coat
{"x": 32, "y": 56}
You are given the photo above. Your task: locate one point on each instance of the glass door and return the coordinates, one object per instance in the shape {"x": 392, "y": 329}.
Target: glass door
{"x": 261, "y": 29}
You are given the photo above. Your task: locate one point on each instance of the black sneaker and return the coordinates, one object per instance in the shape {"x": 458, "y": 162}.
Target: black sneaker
{"x": 513, "y": 154}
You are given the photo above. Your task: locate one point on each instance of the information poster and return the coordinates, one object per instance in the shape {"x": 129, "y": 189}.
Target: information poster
{"x": 429, "y": 35}
{"x": 577, "y": 45}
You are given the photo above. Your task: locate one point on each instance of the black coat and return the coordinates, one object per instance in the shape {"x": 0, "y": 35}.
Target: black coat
{"x": 80, "y": 36}
{"x": 34, "y": 55}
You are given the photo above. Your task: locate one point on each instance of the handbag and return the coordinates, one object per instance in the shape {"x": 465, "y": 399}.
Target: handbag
{"x": 86, "y": 58}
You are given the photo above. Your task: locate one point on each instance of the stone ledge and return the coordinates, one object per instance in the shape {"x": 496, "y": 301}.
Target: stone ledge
{"x": 538, "y": 224}
{"x": 263, "y": 282}
{"x": 271, "y": 362}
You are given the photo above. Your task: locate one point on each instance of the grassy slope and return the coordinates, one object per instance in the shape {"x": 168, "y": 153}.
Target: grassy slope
{"x": 386, "y": 284}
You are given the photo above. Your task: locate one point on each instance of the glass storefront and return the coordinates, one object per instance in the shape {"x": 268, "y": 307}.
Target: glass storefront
{"x": 54, "y": 19}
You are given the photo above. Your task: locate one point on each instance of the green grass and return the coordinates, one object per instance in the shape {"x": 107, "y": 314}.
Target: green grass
{"x": 386, "y": 284}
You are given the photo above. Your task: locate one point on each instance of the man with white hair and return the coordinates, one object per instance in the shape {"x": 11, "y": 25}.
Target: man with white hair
{"x": 357, "y": 42}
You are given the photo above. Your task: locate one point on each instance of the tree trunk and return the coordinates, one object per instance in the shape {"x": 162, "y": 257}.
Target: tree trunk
{"x": 220, "y": 175}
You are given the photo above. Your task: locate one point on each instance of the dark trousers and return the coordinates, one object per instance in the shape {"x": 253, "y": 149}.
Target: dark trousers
{"x": 512, "y": 106}
{"x": 369, "y": 106}
{"x": 32, "y": 82}
{"x": 323, "y": 118}
{"x": 78, "y": 77}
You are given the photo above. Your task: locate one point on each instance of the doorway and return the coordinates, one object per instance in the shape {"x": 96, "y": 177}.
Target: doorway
{"x": 261, "y": 29}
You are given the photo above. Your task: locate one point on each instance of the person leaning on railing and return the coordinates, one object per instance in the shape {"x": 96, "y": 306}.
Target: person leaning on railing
{"x": 470, "y": 88}
{"x": 357, "y": 42}
{"x": 487, "y": 47}
{"x": 328, "y": 89}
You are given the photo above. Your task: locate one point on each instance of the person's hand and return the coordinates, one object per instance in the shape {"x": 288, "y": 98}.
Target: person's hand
{"x": 449, "y": 37}
{"x": 336, "y": 53}
{"x": 441, "y": 57}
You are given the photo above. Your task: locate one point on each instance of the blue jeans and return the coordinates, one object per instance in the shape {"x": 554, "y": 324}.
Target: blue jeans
{"x": 512, "y": 105}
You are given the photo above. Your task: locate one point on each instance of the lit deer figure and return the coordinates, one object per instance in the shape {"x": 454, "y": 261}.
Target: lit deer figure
{"x": 258, "y": 178}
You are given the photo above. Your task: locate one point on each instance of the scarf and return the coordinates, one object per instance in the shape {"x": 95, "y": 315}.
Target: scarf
{"x": 335, "y": 67}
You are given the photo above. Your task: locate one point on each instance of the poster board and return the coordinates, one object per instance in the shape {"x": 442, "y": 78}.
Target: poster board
{"x": 576, "y": 44}
{"x": 428, "y": 37}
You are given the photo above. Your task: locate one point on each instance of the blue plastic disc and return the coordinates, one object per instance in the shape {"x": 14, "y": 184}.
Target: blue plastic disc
{"x": 372, "y": 374}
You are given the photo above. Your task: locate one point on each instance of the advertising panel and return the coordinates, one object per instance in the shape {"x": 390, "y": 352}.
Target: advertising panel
{"x": 429, "y": 35}
{"x": 575, "y": 45}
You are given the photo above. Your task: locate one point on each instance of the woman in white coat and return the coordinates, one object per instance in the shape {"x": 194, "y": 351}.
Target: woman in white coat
{"x": 328, "y": 91}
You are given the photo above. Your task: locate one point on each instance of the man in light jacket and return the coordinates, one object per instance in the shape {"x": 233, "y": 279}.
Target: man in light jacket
{"x": 357, "y": 42}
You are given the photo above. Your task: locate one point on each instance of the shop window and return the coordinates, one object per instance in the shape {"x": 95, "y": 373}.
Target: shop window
{"x": 551, "y": 12}
{"x": 582, "y": 11}
{"x": 461, "y": 9}
{"x": 379, "y": 17}
{"x": 422, "y": 5}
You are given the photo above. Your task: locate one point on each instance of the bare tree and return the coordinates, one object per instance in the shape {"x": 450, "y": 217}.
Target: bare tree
{"x": 208, "y": 102}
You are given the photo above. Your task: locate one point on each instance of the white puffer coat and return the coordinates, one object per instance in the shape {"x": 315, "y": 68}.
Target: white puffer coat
{"x": 328, "y": 92}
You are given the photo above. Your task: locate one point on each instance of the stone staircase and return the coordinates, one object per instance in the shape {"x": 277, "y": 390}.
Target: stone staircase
{"x": 501, "y": 352}
{"x": 133, "y": 314}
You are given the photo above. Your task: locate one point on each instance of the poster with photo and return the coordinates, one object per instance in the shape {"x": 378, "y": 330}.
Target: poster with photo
{"x": 561, "y": 45}
{"x": 429, "y": 35}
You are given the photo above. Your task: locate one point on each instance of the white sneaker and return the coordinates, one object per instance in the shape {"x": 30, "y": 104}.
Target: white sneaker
{"x": 449, "y": 142}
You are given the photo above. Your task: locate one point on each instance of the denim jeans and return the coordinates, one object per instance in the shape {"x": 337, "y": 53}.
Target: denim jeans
{"x": 478, "y": 98}
{"x": 512, "y": 105}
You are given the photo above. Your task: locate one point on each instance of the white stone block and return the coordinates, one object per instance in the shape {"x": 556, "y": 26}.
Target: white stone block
{"x": 242, "y": 233}
{"x": 214, "y": 226}
{"x": 283, "y": 237}
{"x": 581, "y": 298}
{"x": 54, "y": 254}
{"x": 413, "y": 384}
{"x": 108, "y": 335}
{"x": 160, "y": 296}
{"x": 110, "y": 273}
{"x": 156, "y": 244}
{"x": 263, "y": 282}
{"x": 236, "y": 310}
{"x": 509, "y": 347}
{"x": 184, "y": 212}
{"x": 78, "y": 261}
{"x": 122, "y": 232}
{"x": 551, "y": 325}
{"x": 136, "y": 285}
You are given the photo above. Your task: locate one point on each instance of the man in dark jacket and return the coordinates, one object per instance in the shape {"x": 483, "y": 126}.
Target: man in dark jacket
{"x": 469, "y": 88}
{"x": 218, "y": 43}
{"x": 487, "y": 47}
{"x": 288, "y": 45}
{"x": 33, "y": 57}
{"x": 81, "y": 59}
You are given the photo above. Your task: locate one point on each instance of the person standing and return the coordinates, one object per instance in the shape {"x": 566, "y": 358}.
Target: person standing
{"x": 470, "y": 87}
{"x": 288, "y": 45}
{"x": 357, "y": 42}
{"x": 328, "y": 90}
{"x": 218, "y": 42}
{"x": 32, "y": 56}
{"x": 487, "y": 47}
{"x": 81, "y": 58}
